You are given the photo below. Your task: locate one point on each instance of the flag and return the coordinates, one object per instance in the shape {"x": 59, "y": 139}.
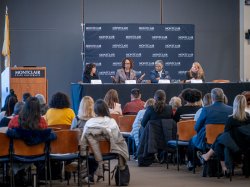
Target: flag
{"x": 6, "y": 43}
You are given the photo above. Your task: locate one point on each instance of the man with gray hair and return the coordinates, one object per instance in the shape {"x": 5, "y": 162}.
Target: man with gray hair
{"x": 158, "y": 73}
{"x": 217, "y": 113}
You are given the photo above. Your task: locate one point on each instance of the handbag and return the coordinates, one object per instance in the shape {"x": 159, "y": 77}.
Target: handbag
{"x": 122, "y": 176}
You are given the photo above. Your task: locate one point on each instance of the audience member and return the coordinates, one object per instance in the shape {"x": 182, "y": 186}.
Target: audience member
{"x": 175, "y": 102}
{"x": 238, "y": 119}
{"x": 59, "y": 110}
{"x": 160, "y": 110}
{"x": 196, "y": 72}
{"x": 43, "y": 105}
{"x": 17, "y": 108}
{"x": 137, "y": 123}
{"x": 97, "y": 127}
{"x": 217, "y": 113}
{"x": 112, "y": 100}
{"x": 192, "y": 97}
{"x": 207, "y": 100}
{"x": 136, "y": 104}
{"x": 126, "y": 72}
{"x": 89, "y": 73}
{"x": 8, "y": 104}
{"x": 159, "y": 72}
{"x": 26, "y": 96}
{"x": 247, "y": 95}
{"x": 85, "y": 112}
{"x": 29, "y": 117}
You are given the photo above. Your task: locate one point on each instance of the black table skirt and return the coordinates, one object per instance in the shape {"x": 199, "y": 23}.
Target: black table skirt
{"x": 99, "y": 90}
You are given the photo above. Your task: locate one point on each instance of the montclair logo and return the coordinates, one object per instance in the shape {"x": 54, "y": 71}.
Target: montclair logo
{"x": 147, "y": 46}
{"x": 172, "y": 46}
{"x": 107, "y": 55}
{"x": 106, "y": 72}
{"x": 159, "y": 37}
{"x": 184, "y": 55}
{"x": 185, "y": 37}
{"x": 172, "y": 63}
{"x": 27, "y": 73}
{"x": 159, "y": 55}
{"x": 120, "y": 46}
{"x": 119, "y": 28}
{"x": 133, "y": 54}
{"x": 93, "y": 28}
{"x": 172, "y": 28}
{"x": 146, "y": 28}
{"x": 146, "y": 63}
{"x": 112, "y": 37}
{"x": 88, "y": 46}
{"x": 116, "y": 64}
{"x": 133, "y": 37}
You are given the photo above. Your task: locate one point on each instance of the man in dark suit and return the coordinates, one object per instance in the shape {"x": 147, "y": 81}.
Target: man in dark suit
{"x": 158, "y": 73}
{"x": 217, "y": 113}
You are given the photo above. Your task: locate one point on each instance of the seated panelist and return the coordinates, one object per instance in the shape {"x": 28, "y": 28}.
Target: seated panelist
{"x": 158, "y": 73}
{"x": 90, "y": 73}
{"x": 196, "y": 72}
{"x": 126, "y": 72}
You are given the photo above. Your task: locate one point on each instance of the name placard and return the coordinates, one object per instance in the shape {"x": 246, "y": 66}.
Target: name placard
{"x": 164, "y": 81}
{"x": 27, "y": 73}
{"x": 96, "y": 81}
{"x": 196, "y": 81}
{"x": 130, "y": 81}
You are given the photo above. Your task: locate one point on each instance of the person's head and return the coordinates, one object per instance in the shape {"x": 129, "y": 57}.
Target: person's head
{"x": 135, "y": 94}
{"x": 90, "y": 69}
{"x": 41, "y": 99}
{"x": 149, "y": 102}
{"x": 207, "y": 100}
{"x": 196, "y": 67}
{"x": 191, "y": 95}
{"x": 101, "y": 108}
{"x": 29, "y": 116}
{"x": 6, "y": 102}
{"x": 26, "y": 96}
{"x": 247, "y": 95}
{"x": 12, "y": 100}
{"x": 86, "y": 108}
{"x": 127, "y": 63}
{"x": 239, "y": 106}
{"x": 111, "y": 98}
{"x": 59, "y": 100}
{"x": 158, "y": 65}
{"x": 175, "y": 102}
{"x": 18, "y": 107}
{"x": 217, "y": 95}
{"x": 160, "y": 100}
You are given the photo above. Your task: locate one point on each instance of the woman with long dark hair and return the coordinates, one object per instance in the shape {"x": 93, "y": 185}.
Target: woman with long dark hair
{"x": 89, "y": 73}
{"x": 160, "y": 110}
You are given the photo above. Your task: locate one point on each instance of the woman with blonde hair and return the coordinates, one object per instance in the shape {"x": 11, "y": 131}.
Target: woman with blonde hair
{"x": 175, "y": 102}
{"x": 196, "y": 72}
{"x": 112, "y": 100}
{"x": 85, "y": 112}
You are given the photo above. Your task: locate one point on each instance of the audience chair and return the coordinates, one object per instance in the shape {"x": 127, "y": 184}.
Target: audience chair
{"x": 185, "y": 131}
{"x": 116, "y": 117}
{"x": 57, "y": 127}
{"x": 221, "y": 81}
{"x": 125, "y": 125}
{"x": 23, "y": 153}
{"x": 65, "y": 148}
{"x": 4, "y": 153}
{"x": 104, "y": 146}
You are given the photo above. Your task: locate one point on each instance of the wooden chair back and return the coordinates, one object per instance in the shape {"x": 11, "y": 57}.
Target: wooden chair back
{"x": 67, "y": 141}
{"x": 116, "y": 117}
{"x": 57, "y": 127}
{"x": 5, "y": 144}
{"x": 104, "y": 146}
{"x": 126, "y": 122}
{"x": 185, "y": 130}
{"x": 220, "y": 81}
{"x": 212, "y": 131}
{"x": 20, "y": 148}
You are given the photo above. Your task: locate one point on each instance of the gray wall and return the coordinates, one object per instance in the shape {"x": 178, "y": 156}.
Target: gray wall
{"x": 48, "y": 33}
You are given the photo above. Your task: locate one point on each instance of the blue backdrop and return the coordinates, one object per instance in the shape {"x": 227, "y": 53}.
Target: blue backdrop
{"x": 107, "y": 44}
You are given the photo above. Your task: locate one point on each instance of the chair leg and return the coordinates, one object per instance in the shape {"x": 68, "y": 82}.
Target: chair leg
{"x": 194, "y": 165}
{"x": 109, "y": 172}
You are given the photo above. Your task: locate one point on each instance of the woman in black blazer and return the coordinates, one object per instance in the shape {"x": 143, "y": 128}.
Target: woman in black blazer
{"x": 89, "y": 73}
